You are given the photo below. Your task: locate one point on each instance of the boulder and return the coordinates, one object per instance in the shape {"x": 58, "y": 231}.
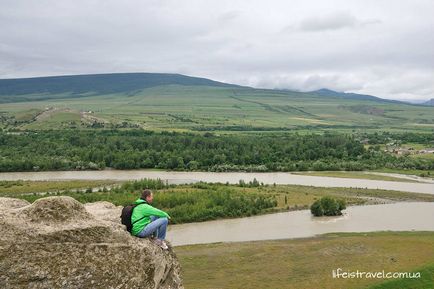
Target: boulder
{"x": 57, "y": 242}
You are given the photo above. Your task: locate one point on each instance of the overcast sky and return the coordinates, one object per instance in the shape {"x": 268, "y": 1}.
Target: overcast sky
{"x": 384, "y": 48}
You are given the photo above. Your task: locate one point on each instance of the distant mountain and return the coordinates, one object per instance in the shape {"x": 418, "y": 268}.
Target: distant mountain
{"x": 429, "y": 102}
{"x": 129, "y": 84}
{"x": 162, "y": 101}
{"x": 345, "y": 95}
{"x": 39, "y": 88}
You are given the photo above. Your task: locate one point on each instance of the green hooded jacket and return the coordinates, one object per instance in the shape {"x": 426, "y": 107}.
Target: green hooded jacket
{"x": 144, "y": 211}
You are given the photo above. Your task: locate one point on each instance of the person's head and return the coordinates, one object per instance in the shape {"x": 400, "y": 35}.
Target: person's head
{"x": 147, "y": 195}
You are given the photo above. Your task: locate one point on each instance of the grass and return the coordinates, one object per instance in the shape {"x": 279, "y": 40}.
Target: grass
{"x": 55, "y": 119}
{"x": 355, "y": 175}
{"x": 424, "y": 156}
{"x": 301, "y": 197}
{"x": 308, "y": 263}
{"x": 422, "y": 173}
{"x": 192, "y": 108}
{"x": 425, "y": 282}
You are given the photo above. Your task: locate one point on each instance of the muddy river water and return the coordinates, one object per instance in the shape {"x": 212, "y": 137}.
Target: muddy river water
{"x": 189, "y": 177}
{"x": 296, "y": 224}
{"x": 417, "y": 216}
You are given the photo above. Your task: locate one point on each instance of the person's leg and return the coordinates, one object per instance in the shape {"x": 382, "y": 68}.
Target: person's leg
{"x": 161, "y": 231}
{"x": 159, "y": 224}
{"x": 149, "y": 229}
{"x": 153, "y": 218}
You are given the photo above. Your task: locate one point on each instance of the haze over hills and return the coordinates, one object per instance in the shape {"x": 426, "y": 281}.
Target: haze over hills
{"x": 350, "y": 95}
{"x": 429, "y": 102}
{"x": 172, "y": 101}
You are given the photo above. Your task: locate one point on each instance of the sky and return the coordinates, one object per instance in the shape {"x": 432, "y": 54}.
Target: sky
{"x": 384, "y": 48}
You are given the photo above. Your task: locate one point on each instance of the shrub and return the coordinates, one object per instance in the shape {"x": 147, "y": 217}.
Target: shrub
{"x": 327, "y": 206}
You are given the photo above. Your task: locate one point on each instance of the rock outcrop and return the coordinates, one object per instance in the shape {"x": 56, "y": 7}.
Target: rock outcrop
{"x": 57, "y": 242}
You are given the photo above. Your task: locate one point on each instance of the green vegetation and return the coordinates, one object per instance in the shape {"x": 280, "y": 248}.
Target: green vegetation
{"x": 175, "y": 122}
{"x": 135, "y": 148}
{"x": 295, "y": 263}
{"x": 193, "y": 203}
{"x": 327, "y": 206}
{"x": 425, "y": 282}
{"x": 205, "y": 201}
{"x": 176, "y": 102}
{"x": 79, "y": 86}
{"x": 230, "y": 128}
{"x": 421, "y": 173}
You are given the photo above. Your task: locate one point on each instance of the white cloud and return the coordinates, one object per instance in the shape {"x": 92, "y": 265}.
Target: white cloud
{"x": 380, "y": 47}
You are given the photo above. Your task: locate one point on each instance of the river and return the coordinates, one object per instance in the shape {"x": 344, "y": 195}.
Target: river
{"x": 405, "y": 216}
{"x": 232, "y": 177}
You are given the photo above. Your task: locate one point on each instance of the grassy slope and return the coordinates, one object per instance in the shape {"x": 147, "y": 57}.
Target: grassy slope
{"x": 308, "y": 263}
{"x": 425, "y": 282}
{"x": 193, "y": 107}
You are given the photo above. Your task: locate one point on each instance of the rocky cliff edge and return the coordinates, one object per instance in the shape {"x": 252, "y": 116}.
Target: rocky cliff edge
{"x": 57, "y": 242}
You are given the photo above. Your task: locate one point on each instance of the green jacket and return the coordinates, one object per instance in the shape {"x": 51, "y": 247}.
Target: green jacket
{"x": 144, "y": 211}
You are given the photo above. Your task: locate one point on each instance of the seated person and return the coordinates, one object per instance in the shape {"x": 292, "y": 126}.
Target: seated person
{"x": 148, "y": 220}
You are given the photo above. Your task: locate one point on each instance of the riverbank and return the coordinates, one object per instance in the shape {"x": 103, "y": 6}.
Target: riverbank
{"x": 367, "y": 175}
{"x": 309, "y": 262}
{"x": 224, "y": 177}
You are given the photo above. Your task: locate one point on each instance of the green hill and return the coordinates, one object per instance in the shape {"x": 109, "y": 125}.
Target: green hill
{"x": 178, "y": 102}
{"x": 39, "y": 88}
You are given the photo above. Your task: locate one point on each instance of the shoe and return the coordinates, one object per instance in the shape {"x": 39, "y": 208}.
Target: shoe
{"x": 164, "y": 241}
{"x": 161, "y": 243}
{"x": 164, "y": 246}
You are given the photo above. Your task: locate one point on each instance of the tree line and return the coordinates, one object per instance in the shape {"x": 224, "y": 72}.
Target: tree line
{"x": 137, "y": 148}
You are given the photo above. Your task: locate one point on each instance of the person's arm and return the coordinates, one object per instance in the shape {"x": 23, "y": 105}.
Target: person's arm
{"x": 156, "y": 212}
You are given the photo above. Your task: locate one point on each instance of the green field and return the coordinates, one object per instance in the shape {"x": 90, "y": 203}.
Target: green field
{"x": 308, "y": 263}
{"x": 225, "y": 109}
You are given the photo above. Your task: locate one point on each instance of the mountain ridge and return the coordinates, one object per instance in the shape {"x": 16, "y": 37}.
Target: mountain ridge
{"x": 351, "y": 95}
{"x": 131, "y": 83}
{"x": 94, "y": 84}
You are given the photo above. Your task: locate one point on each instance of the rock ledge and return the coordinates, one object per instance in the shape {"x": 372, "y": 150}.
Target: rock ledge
{"x": 57, "y": 242}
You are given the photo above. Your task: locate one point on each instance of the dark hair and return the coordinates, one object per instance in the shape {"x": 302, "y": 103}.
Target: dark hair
{"x": 146, "y": 193}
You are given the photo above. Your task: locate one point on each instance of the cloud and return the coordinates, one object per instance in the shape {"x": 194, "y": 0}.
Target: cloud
{"x": 377, "y": 47}
{"x": 334, "y": 21}
{"x": 228, "y": 16}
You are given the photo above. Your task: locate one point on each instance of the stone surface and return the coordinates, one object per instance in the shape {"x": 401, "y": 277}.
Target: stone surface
{"x": 56, "y": 242}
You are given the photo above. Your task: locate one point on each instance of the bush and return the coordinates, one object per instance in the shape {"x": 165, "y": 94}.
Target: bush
{"x": 327, "y": 206}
